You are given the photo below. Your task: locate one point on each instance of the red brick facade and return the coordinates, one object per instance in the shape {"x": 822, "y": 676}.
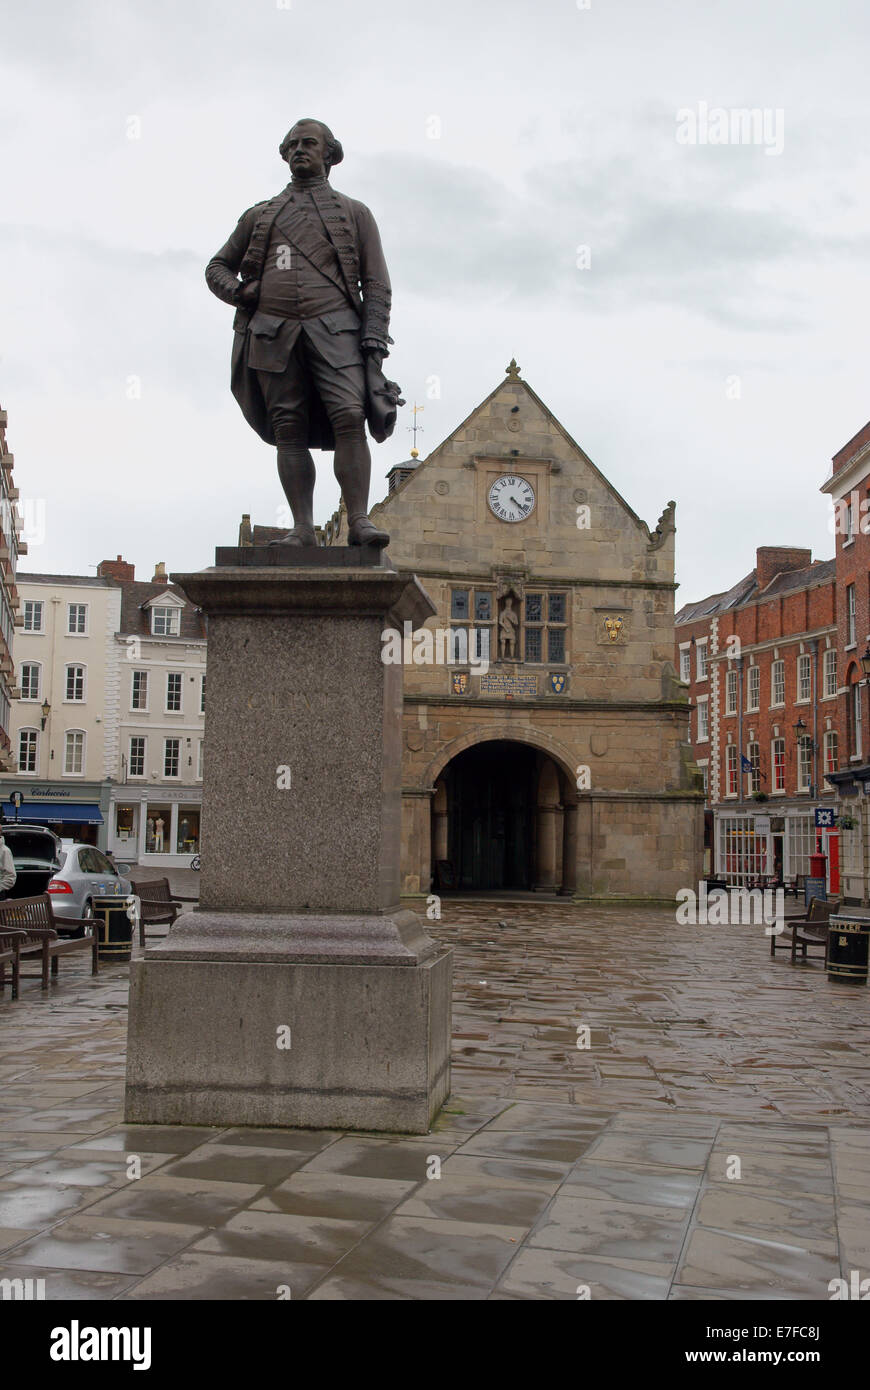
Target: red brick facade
{"x": 771, "y": 652}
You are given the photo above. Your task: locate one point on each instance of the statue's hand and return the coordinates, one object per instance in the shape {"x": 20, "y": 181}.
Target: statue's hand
{"x": 249, "y": 295}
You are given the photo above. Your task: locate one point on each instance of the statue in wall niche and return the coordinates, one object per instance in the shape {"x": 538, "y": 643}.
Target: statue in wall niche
{"x": 306, "y": 273}
{"x": 508, "y": 623}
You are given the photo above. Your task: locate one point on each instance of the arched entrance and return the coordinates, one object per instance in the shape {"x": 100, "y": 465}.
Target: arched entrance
{"x": 503, "y": 818}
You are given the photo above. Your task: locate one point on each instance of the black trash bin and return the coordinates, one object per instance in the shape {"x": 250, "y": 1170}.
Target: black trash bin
{"x": 114, "y": 928}
{"x": 848, "y": 942}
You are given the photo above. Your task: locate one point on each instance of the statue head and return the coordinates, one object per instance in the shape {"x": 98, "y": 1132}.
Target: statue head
{"x": 310, "y": 148}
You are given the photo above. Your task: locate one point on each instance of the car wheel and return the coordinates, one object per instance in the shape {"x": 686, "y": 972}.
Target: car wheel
{"x": 87, "y": 911}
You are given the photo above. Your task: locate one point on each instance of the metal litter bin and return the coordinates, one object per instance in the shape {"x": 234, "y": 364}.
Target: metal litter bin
{"x": 848, "y": 943}
{"x": 114, "y": 928}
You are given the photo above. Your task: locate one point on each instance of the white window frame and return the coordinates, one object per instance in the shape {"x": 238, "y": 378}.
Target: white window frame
{"x": 174, "y": 613}
{"x": 703, "y": 725}
{"x": 730, "y": 692}
{"x": 134, "y": 708}
{"x": 77, "y": 631}
{"x": 831, "y": 736}
{"x": 168, "y": 776}
{"x": 775, "y": 765}
{"x": 686, "y": 664}
{"x": 75, "y": 666}
{"x": 754, "y": 773}
{"x": 804, "y": 679}
{"x": 179, "y": 708}
{"x": 753, "y": 689}
{"x": 701, "y": 666}
{"x": 829, "y": 668}
{"x": 137, "y": 776}
{"x": 37, "y": 666}
{"x": 777, "y": 684}
{"x": 199, "y": 761}
{"x": 75, "y": 734}
{"x": 202, "y": 694}
{"x": 34, "y": 603}
{"x": 850, "y": 616}
{"x": 804, "y": 763}
{"x": 731, "y": 757}
{"x": 34, "y": 771}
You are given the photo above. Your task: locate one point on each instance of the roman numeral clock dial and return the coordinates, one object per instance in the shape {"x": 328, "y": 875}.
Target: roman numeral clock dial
{"x": 511, "y": 498}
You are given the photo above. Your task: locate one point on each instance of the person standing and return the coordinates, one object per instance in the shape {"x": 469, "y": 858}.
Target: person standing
{"x": 7, "y": 869}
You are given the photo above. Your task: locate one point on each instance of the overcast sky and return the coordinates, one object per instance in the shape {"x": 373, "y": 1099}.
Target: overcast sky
{"x": 711, "y": 347}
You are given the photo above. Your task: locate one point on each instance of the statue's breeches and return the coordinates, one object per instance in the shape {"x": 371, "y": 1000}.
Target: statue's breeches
{"x": 288, "y": 389}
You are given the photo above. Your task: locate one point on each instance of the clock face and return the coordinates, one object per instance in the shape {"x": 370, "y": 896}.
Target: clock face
{"x": 511, "y": 498}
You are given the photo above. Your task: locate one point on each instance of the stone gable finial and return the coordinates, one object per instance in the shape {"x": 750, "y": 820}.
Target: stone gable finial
{"x": 512, "y": 370}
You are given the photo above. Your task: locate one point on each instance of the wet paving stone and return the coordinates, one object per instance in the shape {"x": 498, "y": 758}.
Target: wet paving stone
{"x": 606, "y": 1167}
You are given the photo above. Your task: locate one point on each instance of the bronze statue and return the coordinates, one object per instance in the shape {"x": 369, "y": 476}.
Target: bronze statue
{"x": 306, "y": 273}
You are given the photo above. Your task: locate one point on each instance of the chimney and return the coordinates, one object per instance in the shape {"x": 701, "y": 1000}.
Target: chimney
{"x": 160, "y": 575}
{"x": 116, "y": 569}
{"x": 771, "y": 560}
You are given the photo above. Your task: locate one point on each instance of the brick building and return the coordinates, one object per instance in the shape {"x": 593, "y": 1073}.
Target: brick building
{"x": 849, "y": 490}
{"x": 762, "y": 663}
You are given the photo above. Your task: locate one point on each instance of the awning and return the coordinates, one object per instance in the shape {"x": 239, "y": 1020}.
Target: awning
{"x": 82, "y": 812}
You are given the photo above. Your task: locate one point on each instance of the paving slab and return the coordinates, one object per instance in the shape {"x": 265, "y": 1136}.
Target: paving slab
{"x": 563, "y": 1170}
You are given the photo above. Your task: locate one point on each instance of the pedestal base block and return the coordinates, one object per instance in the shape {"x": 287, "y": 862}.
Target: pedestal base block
{"x": 313, "y": 1046}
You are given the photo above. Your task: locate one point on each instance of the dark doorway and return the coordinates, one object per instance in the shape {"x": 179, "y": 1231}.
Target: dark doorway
{"x": 491, "y": 816}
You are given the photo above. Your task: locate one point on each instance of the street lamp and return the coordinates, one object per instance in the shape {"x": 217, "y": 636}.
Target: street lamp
{"x": 865, "y": 660}
{"x": 46, "y": 711}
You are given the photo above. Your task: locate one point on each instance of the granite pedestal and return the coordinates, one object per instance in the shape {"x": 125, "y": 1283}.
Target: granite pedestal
{"x": 300, "y": 992}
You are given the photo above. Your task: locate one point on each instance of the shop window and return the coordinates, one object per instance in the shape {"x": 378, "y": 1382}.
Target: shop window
{"x": 157, "y": 823}
{"x": 187, "y": 841}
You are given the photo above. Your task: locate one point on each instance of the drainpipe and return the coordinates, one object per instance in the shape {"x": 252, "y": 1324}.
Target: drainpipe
{"x": 814, "y": 646}
{"x": 740, "y": 772}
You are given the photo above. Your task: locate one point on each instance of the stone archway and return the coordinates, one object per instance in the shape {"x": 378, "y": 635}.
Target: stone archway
{"x": 503, "y": 818}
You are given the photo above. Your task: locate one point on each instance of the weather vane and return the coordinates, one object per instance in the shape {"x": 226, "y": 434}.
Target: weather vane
{"x": 415, "y": 427}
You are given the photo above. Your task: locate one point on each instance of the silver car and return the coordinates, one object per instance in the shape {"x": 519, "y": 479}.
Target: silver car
{"x": 85, "y": 875}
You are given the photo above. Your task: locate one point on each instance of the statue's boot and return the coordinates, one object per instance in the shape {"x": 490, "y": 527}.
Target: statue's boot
{"x": 353, "y": 471}
{"x": 296, "y": 471}
{"x": 300, "y": 535}
{"x": 363, "y": 531}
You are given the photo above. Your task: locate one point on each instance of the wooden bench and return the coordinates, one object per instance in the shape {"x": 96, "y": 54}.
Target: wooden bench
{"x": 157, "y": 903}
{"x": 30, "y": 927}
{"x": 9, "y": 956}
{"x": 807, "y": 931}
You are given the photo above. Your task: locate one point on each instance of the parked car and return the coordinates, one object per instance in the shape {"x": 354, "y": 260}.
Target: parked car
{"x": 83, "y": 876}
{"x": 37, "y": 854}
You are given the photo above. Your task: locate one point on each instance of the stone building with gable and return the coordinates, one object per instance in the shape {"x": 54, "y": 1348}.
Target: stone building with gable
{"x": 545, "y": 729}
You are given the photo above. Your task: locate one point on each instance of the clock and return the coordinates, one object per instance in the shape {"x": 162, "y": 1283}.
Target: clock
{"x": 511, "y": 498}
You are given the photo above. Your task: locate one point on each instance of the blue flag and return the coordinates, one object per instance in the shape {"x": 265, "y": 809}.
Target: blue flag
{"x": 745, "y": 763}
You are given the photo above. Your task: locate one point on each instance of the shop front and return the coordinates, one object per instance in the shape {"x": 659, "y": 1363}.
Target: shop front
{"x": 751, "y": 845}
{"x": 78, "y": 813}
{"x": 150, "y": 825}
